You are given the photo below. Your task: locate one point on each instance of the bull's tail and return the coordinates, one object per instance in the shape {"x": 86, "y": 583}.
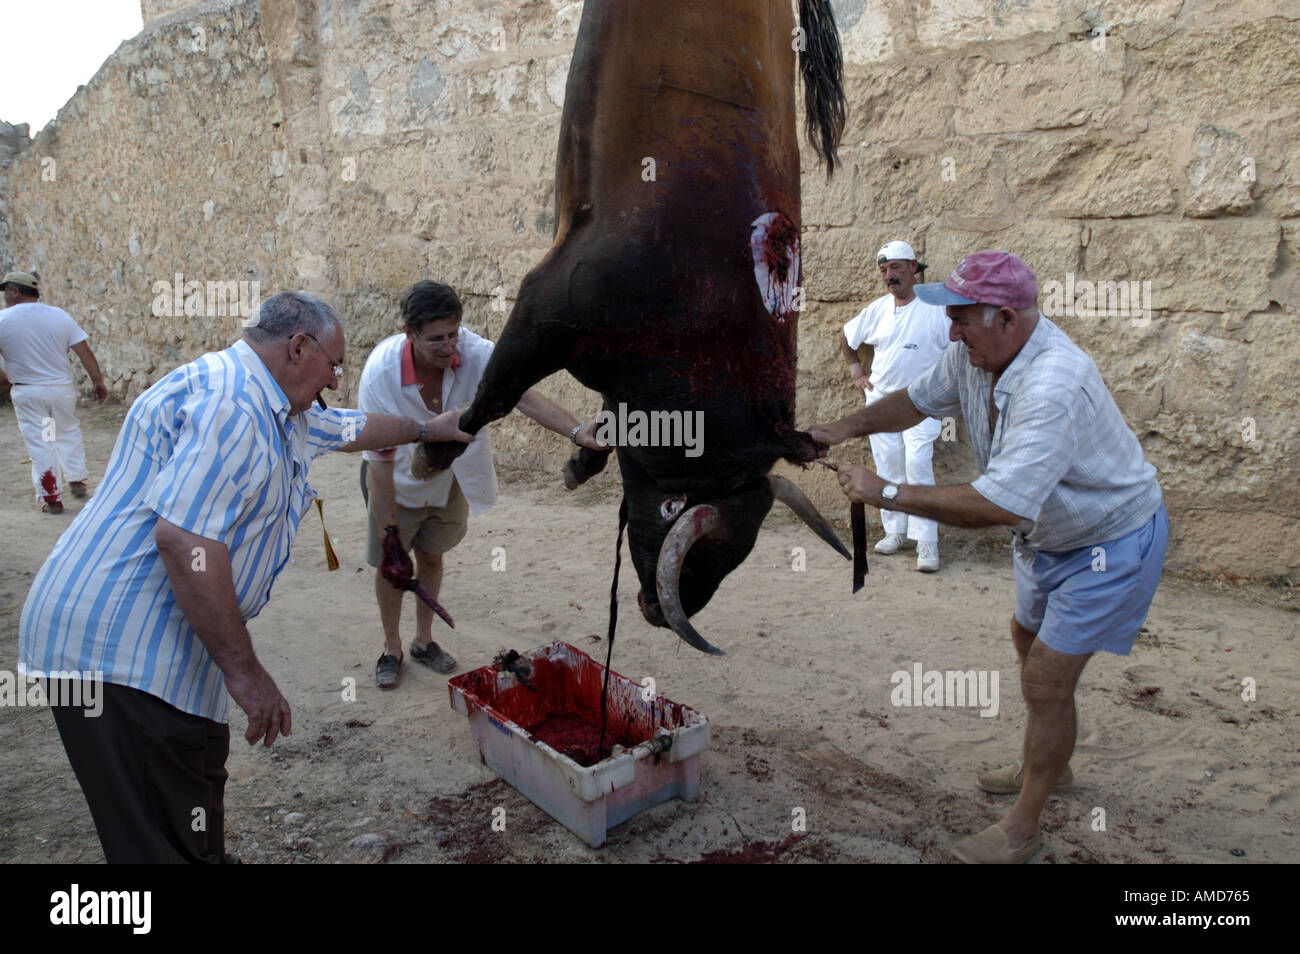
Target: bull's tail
{"x": 823, "y": 76}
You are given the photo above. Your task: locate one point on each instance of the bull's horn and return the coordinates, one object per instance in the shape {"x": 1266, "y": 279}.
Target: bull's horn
{"x": 699, "y": 521}
{"x": 794, "y": 498}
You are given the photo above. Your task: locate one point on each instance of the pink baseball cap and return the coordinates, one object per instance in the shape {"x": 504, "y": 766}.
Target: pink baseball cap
{"x": 993, "y": 278}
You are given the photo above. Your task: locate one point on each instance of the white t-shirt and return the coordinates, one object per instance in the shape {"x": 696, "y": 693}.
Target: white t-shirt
{"x": 34, "y": 339}
{"x": 907, "y": 341}
{"x": 389, "y": 385}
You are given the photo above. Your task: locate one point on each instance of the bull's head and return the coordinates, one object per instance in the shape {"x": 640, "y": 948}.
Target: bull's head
{"x": 684, "y": 544}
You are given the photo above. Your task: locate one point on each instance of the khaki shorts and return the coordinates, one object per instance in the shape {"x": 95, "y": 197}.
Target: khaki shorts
{"x": 429, "y": 529}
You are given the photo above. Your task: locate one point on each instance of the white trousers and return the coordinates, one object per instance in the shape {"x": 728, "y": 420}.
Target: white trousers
{"x": 48, "y": 422}
{"x": 906, "y": 458}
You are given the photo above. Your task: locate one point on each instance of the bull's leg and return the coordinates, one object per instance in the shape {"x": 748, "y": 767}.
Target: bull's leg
{"x": 533, "y": 344}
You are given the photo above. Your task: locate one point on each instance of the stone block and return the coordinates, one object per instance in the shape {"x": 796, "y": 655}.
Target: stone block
{"x": 1220, "y": 174}
{"x": 1203, "y": 266}
{"x": 1086, "y": 174}
{"x": 958, "y": 22}
{"x": 1068, "y": 85}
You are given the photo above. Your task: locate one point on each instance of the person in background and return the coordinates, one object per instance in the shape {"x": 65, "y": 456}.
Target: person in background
{"x": 34, "y": 341}
{"x": 907, "y": 337}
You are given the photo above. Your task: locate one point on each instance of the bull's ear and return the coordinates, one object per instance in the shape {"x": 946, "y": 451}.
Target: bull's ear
{"x": 790, "y": 495}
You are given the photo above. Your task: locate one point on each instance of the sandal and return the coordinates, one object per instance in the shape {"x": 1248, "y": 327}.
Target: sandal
{"x": 388, "y": 671}
{"x": 435, "y": 657}
{"x": 55, "y": 507}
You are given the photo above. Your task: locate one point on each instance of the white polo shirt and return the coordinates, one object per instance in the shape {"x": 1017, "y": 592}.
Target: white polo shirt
{"x": 907, "y": 341}
{"x": 389, "y": 385}
{"x": 34, "y": 339}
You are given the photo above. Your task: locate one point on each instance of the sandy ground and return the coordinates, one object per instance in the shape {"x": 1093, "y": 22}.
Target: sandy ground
{"x": 800, "y": 708}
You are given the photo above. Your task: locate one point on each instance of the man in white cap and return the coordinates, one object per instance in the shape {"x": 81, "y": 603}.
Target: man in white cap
{"x": 34, "y": 339}
{"x": 907, "y": 337}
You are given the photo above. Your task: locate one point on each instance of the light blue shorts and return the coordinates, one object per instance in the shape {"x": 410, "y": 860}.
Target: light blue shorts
{"x": 1094, "y": 598}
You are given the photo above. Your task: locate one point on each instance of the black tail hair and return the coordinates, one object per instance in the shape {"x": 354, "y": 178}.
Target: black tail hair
{"x": 822, "y": 65}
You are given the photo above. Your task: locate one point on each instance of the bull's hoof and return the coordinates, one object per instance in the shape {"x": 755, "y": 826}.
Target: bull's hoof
{"x": 431, "y": 459}
{"x": 803, "y": 449}
{"x": 584, "y": 465}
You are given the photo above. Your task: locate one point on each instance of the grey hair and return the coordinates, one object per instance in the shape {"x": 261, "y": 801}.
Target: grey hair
{"x": 287, "y": 313}
{"x": 991, "y": 310}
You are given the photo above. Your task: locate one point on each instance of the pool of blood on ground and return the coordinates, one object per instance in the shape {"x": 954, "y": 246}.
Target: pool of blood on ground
{"x": 565, "y": 711}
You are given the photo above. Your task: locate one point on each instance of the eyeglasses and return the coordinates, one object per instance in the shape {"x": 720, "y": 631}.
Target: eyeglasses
{"x": 447, "y": 339}
{"x": 336, "y": 365}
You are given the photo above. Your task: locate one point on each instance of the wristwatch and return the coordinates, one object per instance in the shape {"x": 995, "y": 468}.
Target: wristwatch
{"x": 889, "y": 492}
{"x": 423, "y": 433}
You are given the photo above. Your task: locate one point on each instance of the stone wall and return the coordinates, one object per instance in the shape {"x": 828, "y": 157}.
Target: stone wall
{"x": 151, "y": 10}
{"x": 352, "y": 146}
{"x": 13, "y": 140}
{"x": 163, "y": 165}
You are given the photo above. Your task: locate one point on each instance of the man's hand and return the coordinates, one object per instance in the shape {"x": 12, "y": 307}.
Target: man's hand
{"x": 260, "y": 698}
{"x": 861, "y": 380}
{"x": 100, "y": 391}
{"x": 859, "y": 484}
{"x": 586, "y": 437}
{"x": 823, "y": 437}
{"x": 446, "y": 427}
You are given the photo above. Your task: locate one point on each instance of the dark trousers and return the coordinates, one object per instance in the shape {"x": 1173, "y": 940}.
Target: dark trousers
{"x": 154, "y": 777}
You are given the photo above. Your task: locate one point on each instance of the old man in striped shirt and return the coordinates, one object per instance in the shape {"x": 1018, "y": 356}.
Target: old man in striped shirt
{"x": 151, "y": 586}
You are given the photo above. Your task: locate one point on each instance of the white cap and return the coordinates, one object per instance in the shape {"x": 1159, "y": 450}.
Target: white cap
{"x": 895, "y": 250}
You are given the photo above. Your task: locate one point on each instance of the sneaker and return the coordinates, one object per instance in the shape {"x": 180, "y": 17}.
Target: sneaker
{"x": 1008, "y": 779}
{"x": 892, "y": 543}
{"x": 927, "y": 557}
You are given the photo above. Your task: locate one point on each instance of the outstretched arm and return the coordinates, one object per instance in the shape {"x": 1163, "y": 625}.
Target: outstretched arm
{"x": 384, "y": 430}
{"x": 957, "y": 506}
{"x": 893, "y": 413}
{"x": 555, "y": 418}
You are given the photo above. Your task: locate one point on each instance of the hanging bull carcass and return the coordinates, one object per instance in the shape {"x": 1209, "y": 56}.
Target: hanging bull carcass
{"x": 673, "y": 284}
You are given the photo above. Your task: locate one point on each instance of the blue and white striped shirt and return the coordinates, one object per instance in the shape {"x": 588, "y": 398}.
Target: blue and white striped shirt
{"x": 213, "y": 449}
{"x": 1061, "y": 455}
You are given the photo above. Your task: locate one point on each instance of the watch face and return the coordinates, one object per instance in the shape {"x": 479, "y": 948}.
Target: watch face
{"x": 890, "y": 492}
